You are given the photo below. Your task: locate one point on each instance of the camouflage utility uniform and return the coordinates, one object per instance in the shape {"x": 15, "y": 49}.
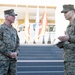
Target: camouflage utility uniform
{"x": 9, "y": 42}
{"x": 69, "y": 50}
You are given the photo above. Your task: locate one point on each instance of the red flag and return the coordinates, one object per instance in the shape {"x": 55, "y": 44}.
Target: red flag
{"x": 43, "y": 24}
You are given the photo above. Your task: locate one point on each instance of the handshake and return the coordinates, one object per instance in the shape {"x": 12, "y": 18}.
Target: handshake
{"x": 60, "y": 44}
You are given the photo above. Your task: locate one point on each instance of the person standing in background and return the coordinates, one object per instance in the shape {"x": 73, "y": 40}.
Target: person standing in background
{"x": 69, "y": 40}
{"x": 9, "y": 45}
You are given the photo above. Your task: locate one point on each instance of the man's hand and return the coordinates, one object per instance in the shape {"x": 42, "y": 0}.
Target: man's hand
{"x": 13, "y": 55}
{"x": 63, "y": 38}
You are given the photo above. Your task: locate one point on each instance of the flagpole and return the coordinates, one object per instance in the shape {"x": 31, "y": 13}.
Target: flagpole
{"x": 27, "y": 27}
{"x": 44, "y": 26}
{"x": 44, "y": 32}
{"x": 17, "y": 15}
{"x": 37, "y": 24}
{"x": 16, "y": 18}
{"x": 34, "y": 34}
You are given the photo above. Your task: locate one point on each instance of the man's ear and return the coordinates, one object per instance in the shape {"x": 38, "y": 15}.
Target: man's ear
{"x": 73, "y": 12}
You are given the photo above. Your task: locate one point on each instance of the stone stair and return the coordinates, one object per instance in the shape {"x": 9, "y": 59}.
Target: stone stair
{"x": 40, "y": 60}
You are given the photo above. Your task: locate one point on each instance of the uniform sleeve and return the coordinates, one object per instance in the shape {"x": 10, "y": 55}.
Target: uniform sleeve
{"x": 72, "y": 36}
{"x": 3, "y": 49}
{"x": 17, "y": 44}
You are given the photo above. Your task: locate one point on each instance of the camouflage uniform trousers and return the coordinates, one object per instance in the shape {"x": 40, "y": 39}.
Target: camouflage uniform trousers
{"x": 69, "y": 68}
{"x": 8, "y": 67}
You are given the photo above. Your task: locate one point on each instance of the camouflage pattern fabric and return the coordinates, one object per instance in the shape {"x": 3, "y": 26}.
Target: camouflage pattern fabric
{"x": 8, "y": 67}
{"x": 69, "y": 46}
{"x": 9, "y": 42}
{"x": 69, "y": 50}
{"x": 69, "y": 68}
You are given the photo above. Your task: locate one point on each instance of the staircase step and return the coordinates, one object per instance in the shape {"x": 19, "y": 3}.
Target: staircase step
{"x": 40, "y": 68}
{"x": 41, "y": 73}
{"x": 40, "y": 63}
{"x": 40, "y": 58}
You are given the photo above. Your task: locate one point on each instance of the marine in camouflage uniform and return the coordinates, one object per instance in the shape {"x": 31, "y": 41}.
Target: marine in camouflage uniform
{"x": 69, "y": 40}
{"x": 69, "y": 50}
{"x": 9, "y": 43}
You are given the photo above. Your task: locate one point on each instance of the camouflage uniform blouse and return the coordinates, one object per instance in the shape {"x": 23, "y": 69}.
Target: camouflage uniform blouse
{"x": 69, "y": 46}
{"x": 9, "y": 41}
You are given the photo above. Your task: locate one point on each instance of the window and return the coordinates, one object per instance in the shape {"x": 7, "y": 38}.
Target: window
{"x": 50, "y": 28}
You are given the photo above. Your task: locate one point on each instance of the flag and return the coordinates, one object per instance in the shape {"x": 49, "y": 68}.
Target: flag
{"x": 43, "y": 24}
{"x": 37, "y": 25}
{"x": 27, "y": 27}
{"x": 16, "y": 19}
